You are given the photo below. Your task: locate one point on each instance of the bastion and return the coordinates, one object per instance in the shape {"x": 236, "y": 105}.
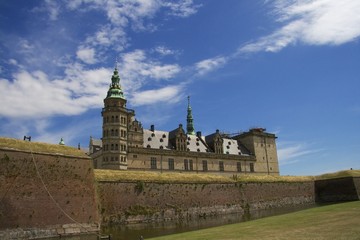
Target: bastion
{"x": 45, "y": 190}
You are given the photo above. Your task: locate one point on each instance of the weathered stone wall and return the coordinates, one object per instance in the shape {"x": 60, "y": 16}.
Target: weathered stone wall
{"x": 339, "y": 189}
{"x": 130, "y": 202}
{"x": 27, "y": 210}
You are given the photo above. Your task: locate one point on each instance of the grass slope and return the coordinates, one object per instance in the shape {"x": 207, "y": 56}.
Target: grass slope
{"x": 338, "y": 221}
{"x": 175, "y": 177}
{"x": 11, "y": 143}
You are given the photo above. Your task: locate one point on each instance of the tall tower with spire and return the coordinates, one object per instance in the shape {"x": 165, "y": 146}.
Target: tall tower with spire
{"x": 116, "y": 119}
{"x": 189, "y": 120}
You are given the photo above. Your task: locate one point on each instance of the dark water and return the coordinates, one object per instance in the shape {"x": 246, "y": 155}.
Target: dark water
{"x": 148, "y": 230}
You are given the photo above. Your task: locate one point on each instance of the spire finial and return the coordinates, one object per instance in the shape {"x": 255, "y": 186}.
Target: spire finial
{"x": 189, "y": 120}
{"x": 116, "y": 62}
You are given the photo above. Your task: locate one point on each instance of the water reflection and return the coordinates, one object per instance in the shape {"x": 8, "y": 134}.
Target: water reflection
{"x": 148, "y": 230}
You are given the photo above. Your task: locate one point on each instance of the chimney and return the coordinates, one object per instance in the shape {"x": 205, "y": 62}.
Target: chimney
{"x": 152, "y": 128}
{"x": 198, "y": 134}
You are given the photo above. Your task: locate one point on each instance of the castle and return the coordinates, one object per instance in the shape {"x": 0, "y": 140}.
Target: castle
{"x": 126, "y": 145}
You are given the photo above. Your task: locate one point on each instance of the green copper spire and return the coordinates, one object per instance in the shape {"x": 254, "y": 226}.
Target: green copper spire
{"x": 115, "y": 90}
{"x": 61, "y": 142}
{"x": 190, "y": 121}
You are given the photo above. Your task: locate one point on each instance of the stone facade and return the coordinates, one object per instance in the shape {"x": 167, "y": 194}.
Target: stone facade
{"x": 126, "y": 144}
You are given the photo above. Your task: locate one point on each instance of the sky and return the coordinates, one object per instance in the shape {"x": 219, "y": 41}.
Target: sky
{"x": 290, "y": 66}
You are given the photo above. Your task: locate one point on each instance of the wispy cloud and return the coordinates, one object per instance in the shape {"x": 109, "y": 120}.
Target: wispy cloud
{"x": 169, "y": 94}
{"x": 208, "y": 65}
{"x": 87, "y": 55}
{"x": 289, "y": 153}
{"x": 165, "y": 51}
{"x": 312, "y": 22}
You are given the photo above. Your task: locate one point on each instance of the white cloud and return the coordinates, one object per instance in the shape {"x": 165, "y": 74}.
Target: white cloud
{"x": 165, "y": 51}
{"x": 210, "y": 64}
{"x": 80, "y": 90}
{"x": 312, "y": 22}
{"x": 289, "y": 153}
{"x": 169, "y": 94}
{"x": 182, "y": 8}
{"x": 87, "y": 55}
{"x": 137, "y": 69}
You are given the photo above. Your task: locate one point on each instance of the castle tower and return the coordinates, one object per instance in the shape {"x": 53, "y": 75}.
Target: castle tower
{"x": 263, "y": 146}
{"x": 116, "y": 120}
{"x": 189, "y": 120}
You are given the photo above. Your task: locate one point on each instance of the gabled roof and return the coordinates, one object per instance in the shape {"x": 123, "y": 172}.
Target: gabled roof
{"x": 156, "y": 139}
{"x": 196, "y": 144}
{"x": 230, "y": 146}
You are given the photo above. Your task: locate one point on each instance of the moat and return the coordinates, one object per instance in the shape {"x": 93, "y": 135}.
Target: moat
{"x": 149, "y": 230}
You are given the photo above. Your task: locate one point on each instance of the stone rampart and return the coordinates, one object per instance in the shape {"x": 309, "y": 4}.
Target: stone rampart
{"x": 130, "y": 202}
{"x": 338, "y": 189}
{"x": 61, "y": 202}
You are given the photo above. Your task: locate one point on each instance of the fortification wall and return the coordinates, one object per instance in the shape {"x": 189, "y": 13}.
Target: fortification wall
{"x": 27, "y": 210}
{"x": 338, "y": 189}
{"x": 130, "y": 202}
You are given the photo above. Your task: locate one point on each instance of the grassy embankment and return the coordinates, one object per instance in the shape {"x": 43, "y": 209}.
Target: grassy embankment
{"x": 148, "y": 176}
{"x": 10, "y": 143}
{"x": 338, "y": 221}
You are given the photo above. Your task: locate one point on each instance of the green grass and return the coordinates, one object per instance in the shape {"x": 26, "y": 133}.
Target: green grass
{"x": 175, "y": 177}
{"x": 11, "y": 143}
{"x": 338, "y": 221}
{"x": 340, "y": 174}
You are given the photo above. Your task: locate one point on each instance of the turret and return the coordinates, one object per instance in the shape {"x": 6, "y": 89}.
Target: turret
{"x": 189, "y": 120}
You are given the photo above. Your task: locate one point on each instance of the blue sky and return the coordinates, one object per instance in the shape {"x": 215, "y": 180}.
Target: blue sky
{"x": 292, "y": 67}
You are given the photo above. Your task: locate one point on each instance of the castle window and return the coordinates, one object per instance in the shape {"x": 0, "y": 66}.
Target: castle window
{"x": 116, "y": 132}
{"x": 238, "y": 166}
{"x": 205, "y": 165}
{"x": 116, "y": 147}
{"x": 112, "y": 119}
{"x": 191, "y": 166}
{"x": 116, "y": 118}
{"x": 112, "y": 147}
{"x": 161, "y": 147}
{"x": 135, "y": 129}
{"x": 252, "y": 167}
{"x": 112, "y": 159}
{"x": 186, "y": 164}
{"x": 171, "y": 164}
{"x": 112, "y": 132}
{"x": 221, "y": 166}
{"x": 153, "y": 163}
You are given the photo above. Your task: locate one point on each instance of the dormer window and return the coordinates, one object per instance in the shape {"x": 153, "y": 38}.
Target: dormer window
{"x": 164, "y": 136}
{"x": 161, "y": 140}
{"x": 149, "y": 139}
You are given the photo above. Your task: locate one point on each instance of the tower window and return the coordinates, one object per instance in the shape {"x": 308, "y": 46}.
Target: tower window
{"x": 238, "y": 166}
{"x": 221, "y": 166}
{"x": 205, "y": 165}
{"x": 171, "y": 164}
{"x": 153, "y": 163}
{"x": 252, "y": 167}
